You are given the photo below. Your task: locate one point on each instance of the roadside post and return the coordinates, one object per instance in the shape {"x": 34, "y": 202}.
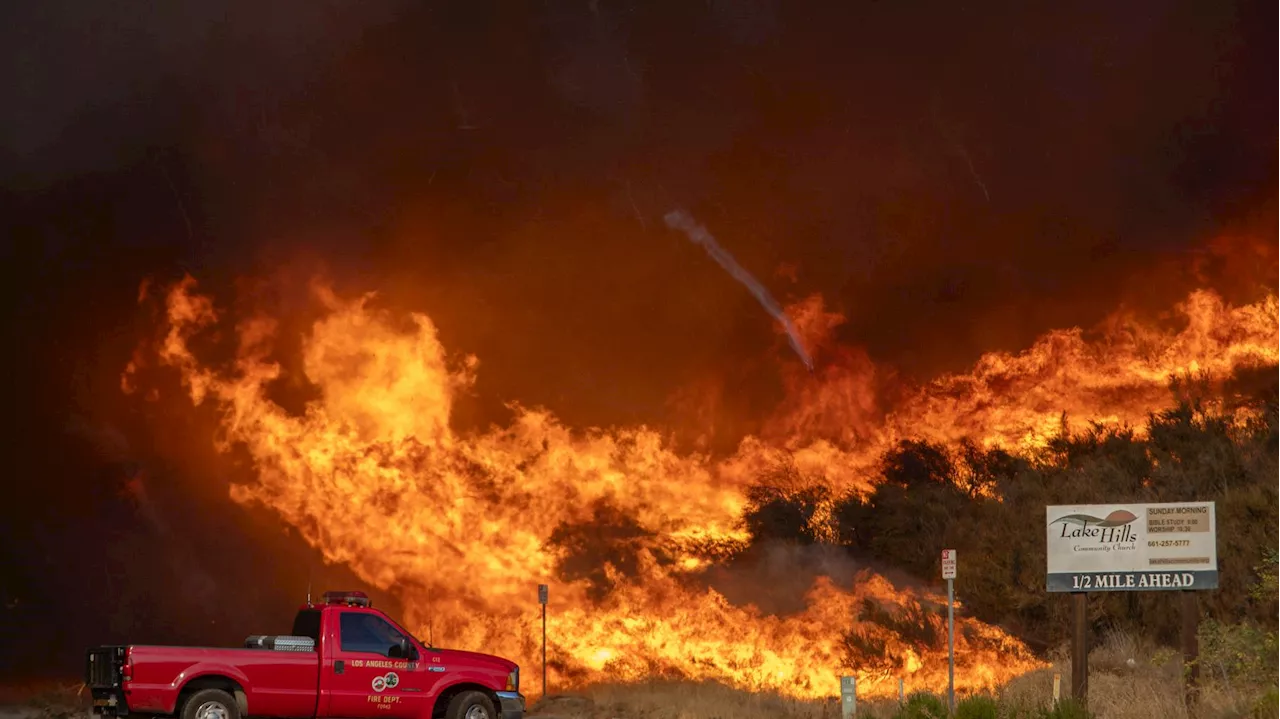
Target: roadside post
{"x": 848, "y": 697}
{"x": 949, "y": 574}
{"x": 1132, "y": 548}
{"x": 543, "y": 591}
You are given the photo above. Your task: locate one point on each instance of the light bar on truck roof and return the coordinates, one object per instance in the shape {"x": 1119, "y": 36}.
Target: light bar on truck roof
{"x": 351, "y": 599}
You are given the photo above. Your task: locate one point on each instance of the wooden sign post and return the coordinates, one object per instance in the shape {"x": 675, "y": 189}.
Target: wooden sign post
{"x": 1191, "y": 647}
{"x": 1080, "y": 646}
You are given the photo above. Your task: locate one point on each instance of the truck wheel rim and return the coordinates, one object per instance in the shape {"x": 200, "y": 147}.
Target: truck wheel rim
{"x": 215, "y": 710}
{"x": 477, "y": 712}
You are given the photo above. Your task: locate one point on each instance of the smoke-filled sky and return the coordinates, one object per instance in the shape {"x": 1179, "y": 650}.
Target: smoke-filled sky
{"x": 952, "y": 178}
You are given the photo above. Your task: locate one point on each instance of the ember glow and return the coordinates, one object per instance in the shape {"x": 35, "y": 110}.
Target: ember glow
{"x": 457, "y": 526}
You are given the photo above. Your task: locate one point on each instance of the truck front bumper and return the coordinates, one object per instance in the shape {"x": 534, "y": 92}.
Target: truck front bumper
{"x": 511, "y": 705}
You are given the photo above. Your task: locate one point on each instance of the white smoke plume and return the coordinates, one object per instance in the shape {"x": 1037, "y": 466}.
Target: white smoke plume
{"x": 680, "y": 220}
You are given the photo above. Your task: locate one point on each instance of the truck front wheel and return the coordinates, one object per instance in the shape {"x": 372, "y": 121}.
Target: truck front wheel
{"x": 467, "y": 705}
{"x": 211, "y": 704}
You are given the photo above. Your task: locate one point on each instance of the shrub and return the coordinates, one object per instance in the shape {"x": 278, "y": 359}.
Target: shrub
{"x": 1242, "y": 653}
{"x": 977, "y": 707}
{"x": 922, "y": 705}
{"x": 783, "y": 505}
{"x": 911, "y": 621}
{"x": 930, "y": 496}
{"x": 1267, "y": 705}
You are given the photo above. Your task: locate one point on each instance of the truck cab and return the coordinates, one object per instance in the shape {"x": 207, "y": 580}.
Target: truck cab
{"x": 343, "y": 659}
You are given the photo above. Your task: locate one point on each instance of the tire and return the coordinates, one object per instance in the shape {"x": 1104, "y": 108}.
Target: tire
{"x": 211, "y": 704}
{"x": 467, "y": 705}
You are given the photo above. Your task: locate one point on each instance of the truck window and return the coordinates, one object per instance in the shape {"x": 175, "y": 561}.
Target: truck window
{"x": 307, "y": 624}
{"x": 367, "y": 633}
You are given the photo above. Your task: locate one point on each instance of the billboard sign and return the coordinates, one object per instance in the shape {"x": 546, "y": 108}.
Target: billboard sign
{"x": 1131, "y": 547}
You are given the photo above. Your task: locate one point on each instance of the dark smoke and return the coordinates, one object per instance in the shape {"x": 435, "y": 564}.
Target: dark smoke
{"x": 954, "y": 179}
{"x": 774, "y": 576}
{"x": 88, "y": 84}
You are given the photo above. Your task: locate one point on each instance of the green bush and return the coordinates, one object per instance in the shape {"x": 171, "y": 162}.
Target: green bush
{"x": 1267, "y": 705}
{"x": 922, "y": 705}
{"x": 977, "y": 707}
{"x": 1022, "y": 711}
{"x": 1242, "y": 653}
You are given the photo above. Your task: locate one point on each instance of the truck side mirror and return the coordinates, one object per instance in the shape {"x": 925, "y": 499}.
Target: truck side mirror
{"x": 404, "y": 649}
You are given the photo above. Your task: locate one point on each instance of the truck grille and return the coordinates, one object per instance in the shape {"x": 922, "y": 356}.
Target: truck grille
{"x": 102, "y": 667}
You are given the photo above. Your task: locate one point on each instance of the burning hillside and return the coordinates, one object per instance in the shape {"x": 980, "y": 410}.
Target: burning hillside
{"x": 462, "y": 527}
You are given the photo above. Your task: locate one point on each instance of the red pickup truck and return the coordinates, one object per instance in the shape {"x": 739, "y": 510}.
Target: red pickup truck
{"x": 343, "y": 660}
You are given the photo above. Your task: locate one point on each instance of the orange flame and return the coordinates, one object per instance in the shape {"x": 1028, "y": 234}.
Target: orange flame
{"x": 458, "y": 526}
{"x": 1019, "y": 401}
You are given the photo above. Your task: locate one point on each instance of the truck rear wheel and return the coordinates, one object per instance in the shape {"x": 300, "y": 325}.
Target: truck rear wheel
{"x": 467, "y": 705}
{"x": 211, "y": 704}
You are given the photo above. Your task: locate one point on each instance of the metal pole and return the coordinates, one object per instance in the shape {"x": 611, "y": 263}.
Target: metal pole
{"x": 951, "y": 647}
{"x": 544, "y": 650}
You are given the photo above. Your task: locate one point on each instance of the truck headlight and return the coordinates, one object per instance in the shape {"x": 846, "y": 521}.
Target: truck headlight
{"x": 513, "y": 680}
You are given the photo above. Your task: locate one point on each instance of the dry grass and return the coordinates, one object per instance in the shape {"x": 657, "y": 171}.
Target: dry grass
{"x": 1128, "y": 679}
{"x": 44, "y": 699}
{"x": 20, "y": 693}
{"x": 676, "y": 700}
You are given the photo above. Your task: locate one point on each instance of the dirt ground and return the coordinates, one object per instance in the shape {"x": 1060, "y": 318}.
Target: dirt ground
{"x": 44, "y": 699}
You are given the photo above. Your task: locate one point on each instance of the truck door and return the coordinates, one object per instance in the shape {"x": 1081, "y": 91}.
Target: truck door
{"x": 367, "y": 677}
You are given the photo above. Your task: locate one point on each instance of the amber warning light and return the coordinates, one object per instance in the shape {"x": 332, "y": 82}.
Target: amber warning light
{"x": 351, "y": 599}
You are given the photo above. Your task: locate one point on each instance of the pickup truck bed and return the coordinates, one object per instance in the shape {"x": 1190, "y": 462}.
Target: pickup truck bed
{"x": 284, "y": 683}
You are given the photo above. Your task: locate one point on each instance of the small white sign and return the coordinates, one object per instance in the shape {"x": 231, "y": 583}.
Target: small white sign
{"x": 948, "y": 564}
{"x": 542, "y": 593}
{"x": 848, "y": 697}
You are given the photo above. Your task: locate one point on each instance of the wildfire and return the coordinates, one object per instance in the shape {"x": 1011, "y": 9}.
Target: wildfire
{"x": 460, "y": 527}
{"x": 1019, "y": 401}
